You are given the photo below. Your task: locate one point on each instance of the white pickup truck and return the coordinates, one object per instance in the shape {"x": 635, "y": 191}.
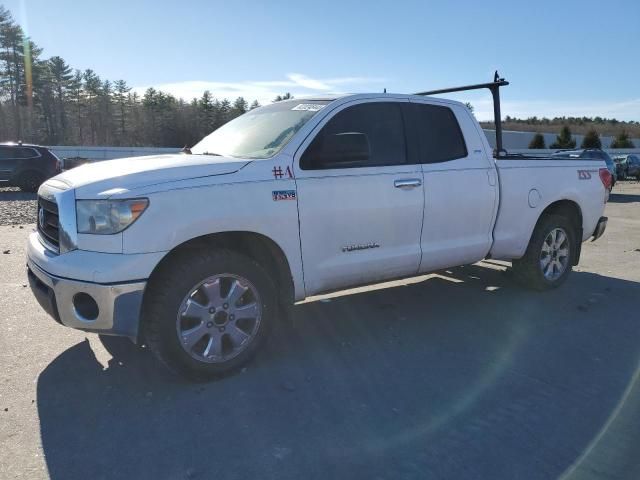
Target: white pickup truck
{"x": 196, "y": 254}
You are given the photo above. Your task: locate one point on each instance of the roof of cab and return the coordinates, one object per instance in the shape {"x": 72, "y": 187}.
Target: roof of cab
{"x": 359, "y": 96}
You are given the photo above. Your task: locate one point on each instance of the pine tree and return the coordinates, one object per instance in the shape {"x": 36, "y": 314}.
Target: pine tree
{"x": 240, "y": 106}
{"x": 591, "y": 140}
{"x": 537, "y": 142}
{"x": 286, "y": 96}
{"x": 255, "y": 104}
{"x": 12, "y": 82}
{"x": 76, "y": 89}
{"x": 121, "y": 98}
{"x": 105, "y": 114}
{"x": 622, "y": 140}
{"x": 92, "y": 87}
{"x": 564, "y": 140}
{"x": 207, "y": 113}
{"x": 224, "y": 112}
{"x": 61, "y": 78}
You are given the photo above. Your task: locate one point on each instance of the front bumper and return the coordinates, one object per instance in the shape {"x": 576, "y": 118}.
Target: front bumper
{"x": 118, "y": 305}
{"x": 600, "y": 228}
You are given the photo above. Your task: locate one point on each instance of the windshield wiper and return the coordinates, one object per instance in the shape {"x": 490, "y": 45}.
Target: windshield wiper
{"x": 211, "y": 153}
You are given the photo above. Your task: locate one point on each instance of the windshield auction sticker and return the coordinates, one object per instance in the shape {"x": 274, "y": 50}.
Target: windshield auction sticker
{"x": 309, "y": 107}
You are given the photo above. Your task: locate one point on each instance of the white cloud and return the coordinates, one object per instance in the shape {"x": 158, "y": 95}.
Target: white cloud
{"x": 299, "y": 85}
{"x": 306, "y": 82}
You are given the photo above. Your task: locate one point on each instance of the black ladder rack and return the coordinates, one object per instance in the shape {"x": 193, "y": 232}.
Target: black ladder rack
{"x": 494, "y": 87}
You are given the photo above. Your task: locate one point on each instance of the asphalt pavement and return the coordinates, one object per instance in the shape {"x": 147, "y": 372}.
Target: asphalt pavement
{"x": 456, "y": 375}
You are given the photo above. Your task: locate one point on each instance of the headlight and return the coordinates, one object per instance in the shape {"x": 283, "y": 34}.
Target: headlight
{"x": 106, "y": 217}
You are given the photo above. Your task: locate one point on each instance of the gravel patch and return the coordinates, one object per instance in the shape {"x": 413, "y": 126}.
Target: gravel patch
{"x": 16, "y": 207}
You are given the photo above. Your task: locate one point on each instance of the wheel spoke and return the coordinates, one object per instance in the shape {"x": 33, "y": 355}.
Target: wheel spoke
{"x": 195, "y": 310}
{"x": 559, "y": 268}
{"x": 214, "y": 347}
{"x": 563, "y": 252}
{"x": 212, "y": 291}
{"x": 236, "y": 291}
{"x": 250, "y": 310}
{"x": 193, "y": 335}
{"x": 545, "y": 261}
{"x": 549, "y": 269}
{"x": 560, "y": 238}
{"x": 238, "y": 336}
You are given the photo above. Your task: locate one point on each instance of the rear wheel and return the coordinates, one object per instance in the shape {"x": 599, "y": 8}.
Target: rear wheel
{"x": 207, "y": 313}
{"x": 549, "y": 256}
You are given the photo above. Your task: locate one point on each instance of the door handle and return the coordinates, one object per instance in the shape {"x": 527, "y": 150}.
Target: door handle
{"x": 407, "y": 183}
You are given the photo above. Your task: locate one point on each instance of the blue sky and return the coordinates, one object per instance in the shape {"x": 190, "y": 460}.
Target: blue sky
{"x": 562, "y": 57}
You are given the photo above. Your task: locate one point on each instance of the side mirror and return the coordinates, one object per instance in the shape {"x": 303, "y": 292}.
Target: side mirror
{"x": 343, "y": 149}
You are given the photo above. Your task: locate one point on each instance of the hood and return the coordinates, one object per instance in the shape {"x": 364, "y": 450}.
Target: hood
{"x": 111, "y": 176}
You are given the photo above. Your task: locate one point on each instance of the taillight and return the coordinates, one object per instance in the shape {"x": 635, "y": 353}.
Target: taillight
{"x": 607, "y": 179}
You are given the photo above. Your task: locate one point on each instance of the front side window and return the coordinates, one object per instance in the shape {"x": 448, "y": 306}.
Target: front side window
{"x": 440, "y": 136}
{"x": 364, "y": 135}
{"x": 260, "y": 133}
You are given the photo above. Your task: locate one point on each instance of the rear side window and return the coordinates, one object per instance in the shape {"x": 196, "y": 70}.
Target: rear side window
{"x": 439, "y": 133}
{"x": 364, "y": 135}
{"x": 25, "y": 153}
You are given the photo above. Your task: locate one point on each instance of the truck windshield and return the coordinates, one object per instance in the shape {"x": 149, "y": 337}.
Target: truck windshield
{"x": 260, "y": 133}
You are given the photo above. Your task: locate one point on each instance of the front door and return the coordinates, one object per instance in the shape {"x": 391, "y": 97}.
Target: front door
{"x": 360, "y": 202}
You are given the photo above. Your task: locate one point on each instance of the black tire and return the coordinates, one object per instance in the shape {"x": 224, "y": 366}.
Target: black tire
{"x": 173, "y": 282}
{"x": 30, "y": 181}
{"x": 528, "y": 270}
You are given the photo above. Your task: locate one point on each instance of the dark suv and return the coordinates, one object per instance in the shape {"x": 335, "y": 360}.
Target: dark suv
{"x": 628, "y": 166}
{"x": 26, "y": 166}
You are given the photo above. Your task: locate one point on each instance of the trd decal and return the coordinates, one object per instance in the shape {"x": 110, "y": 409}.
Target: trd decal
{"x": 278, "y": 173}
{"x": 584, "y": 175}
{"x": 283, "y": 195}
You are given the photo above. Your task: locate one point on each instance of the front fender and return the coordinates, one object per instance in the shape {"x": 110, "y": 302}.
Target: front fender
{"x": 177, "y": 216}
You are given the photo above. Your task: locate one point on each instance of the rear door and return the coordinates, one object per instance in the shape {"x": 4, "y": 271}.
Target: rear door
{"x": 460, "y": 185}
{"x": 360, "y": 218}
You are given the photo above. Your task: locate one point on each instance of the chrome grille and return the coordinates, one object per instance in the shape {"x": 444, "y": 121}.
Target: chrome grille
{"x": 48, "y": 222}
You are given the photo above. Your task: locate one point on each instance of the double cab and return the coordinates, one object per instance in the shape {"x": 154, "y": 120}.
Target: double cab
{"x": 198, "y": 255}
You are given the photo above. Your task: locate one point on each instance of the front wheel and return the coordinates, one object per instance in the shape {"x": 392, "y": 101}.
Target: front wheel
{"x": 549, "y": 256}
{"x": 207, "y": 312}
